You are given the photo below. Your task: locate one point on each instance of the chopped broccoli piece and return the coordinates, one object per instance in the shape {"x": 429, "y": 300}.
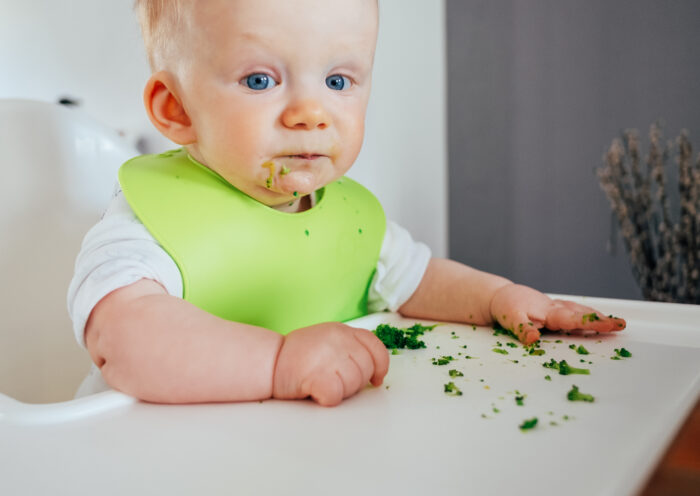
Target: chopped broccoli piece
{"x": 393, "y": 337}
{"x": 564, "y": 368}
{"x": 547, "y": 377}
{"x": 511, "y": 344}
{"x": 621, "y": 352}
{"x": 581, "y": 350}
{"x": 499, "y": 330}
{"x": 455, "y": 373}
{"x": 534, "y": 351}
{"x": 528, "y": 424}
{"x": 576, "y": 395}
{"x": 500, "y": 350}
{"x": 572, "y": 346}
{"x": 443, "y": 360}
{"x": 452, "y": 390}
{"x": 558, "y": 341}
{"x": 284, "y": 171}
{"x": 519, "y": 400}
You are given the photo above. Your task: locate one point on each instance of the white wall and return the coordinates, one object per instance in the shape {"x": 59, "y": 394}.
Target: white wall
{"x": 91, "y": 50}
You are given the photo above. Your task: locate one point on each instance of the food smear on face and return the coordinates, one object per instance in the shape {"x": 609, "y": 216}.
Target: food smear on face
{"x": 269, "y": 165}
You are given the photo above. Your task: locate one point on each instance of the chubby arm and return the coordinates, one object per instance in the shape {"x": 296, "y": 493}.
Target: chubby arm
{"x": 160, "y": 348}
{"x": 452, "y": 291}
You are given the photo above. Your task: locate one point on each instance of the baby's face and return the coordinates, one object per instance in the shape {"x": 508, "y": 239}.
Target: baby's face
{"x": 277, "y": 91}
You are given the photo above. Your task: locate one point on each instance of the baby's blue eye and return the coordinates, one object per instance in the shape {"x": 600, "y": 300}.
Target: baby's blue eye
{"x": 260, "y": 81}
{"x": 338, "y": 82}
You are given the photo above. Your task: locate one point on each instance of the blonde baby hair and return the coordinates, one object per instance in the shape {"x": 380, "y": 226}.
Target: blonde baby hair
{"x": 159, "y": 20}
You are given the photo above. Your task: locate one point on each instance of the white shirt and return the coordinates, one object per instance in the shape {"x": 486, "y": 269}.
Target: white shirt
{"x": 119, "y": 251}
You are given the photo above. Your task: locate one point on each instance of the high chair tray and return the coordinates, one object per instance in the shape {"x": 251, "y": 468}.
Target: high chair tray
{"x": 406, "y": 437}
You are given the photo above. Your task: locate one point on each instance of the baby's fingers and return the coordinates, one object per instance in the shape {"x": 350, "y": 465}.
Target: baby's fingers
{"x": 377, "y": 352}
{"x": 525, "y": 329}
{"x": 570, "y": 316}
{"x": 327, "y": 389}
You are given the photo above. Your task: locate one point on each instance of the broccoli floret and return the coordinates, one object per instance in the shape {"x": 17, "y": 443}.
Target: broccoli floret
{"x": 623, "y": 353}
{"x": 547, "y": 377}
{"x": 455, "y": 373}
{"x": 564, "y": 368}
{"x": 452, "y": 390}
{"x": 581, "y": 350}
{"x": 576, "y": 395}
{"x": 528, "y": 424}
{"x": 393, "y": 337}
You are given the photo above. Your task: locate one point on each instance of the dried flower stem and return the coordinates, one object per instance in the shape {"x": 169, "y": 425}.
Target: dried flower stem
{"x": 663, "y": 254}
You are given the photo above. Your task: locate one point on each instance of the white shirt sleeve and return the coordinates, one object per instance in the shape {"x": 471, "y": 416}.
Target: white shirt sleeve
{"x": 402, "y": 263}
{"x": 119, "y": 251}
{"x": 116, "y": 252}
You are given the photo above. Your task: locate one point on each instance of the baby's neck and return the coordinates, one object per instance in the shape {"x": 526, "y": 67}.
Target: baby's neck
{"x": 299, "y": 205}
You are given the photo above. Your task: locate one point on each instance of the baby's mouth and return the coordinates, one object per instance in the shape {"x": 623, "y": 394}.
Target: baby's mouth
{"x": 305, "y": 156}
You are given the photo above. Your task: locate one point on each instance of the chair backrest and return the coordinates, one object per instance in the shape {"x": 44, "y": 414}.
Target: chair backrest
{"x": 59, "y": 169}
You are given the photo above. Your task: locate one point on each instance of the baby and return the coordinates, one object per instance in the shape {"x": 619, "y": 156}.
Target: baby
{"x": 222, "y": 271}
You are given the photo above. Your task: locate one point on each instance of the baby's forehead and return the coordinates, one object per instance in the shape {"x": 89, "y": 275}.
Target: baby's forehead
{"x": 303, "y": 24}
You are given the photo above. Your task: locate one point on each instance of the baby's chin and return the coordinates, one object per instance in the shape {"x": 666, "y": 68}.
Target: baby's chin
{"x": 301, "y": 182}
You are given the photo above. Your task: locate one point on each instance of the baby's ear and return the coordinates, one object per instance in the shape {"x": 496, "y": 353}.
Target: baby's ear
{"x": 165, "y": 109}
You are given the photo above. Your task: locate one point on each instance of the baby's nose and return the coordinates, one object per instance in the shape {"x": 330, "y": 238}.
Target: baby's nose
{"x": 306, "y": 114}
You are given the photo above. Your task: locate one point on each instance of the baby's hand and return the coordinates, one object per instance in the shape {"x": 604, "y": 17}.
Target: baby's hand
{"x": 328, "y": 362}
{"x": 524, "y": 311}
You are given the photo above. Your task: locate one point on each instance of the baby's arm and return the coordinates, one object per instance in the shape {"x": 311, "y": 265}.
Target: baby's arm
{"x": 160, "y": 348}
{"x": 454, "y": 292}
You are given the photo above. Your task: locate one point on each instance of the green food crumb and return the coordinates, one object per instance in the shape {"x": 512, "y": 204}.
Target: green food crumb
{"x": 452, "y": 390}
{"x": 284, "y": 171}
{"x": 495, "y": 410}
{"x": 306, "y": 231}
{"x": 443, "y": 360}
{"x": 511, "y": 344}
{"x": 622, "y": 352}
{"x": 558, "y": 341}
{"x": 576, "y": 395}
{"x": 295, "y": 193}
{"x": 395, "y": 352}
{"x": 590, "y": 317}
{"x": 528, "y": 424}
{"x": 519, "y": 400}
{"x": 455, "y": 373}
{"x": 534, "y": 351}
{"x": 500, "y": 350}
{"x": 547, "y": 377}
{"x": 581, "y": 350}
{"x": 564, "y": 368}
{"x": 499, "y": 330}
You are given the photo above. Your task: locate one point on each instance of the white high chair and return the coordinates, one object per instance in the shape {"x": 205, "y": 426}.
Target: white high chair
{"x": 59, "y": 170}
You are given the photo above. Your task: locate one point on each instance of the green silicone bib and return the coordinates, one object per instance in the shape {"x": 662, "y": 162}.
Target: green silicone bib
{"x": 246, "y": 262}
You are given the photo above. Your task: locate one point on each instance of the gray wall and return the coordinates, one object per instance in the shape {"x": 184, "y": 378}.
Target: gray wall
{"x": 537, "y": 89}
